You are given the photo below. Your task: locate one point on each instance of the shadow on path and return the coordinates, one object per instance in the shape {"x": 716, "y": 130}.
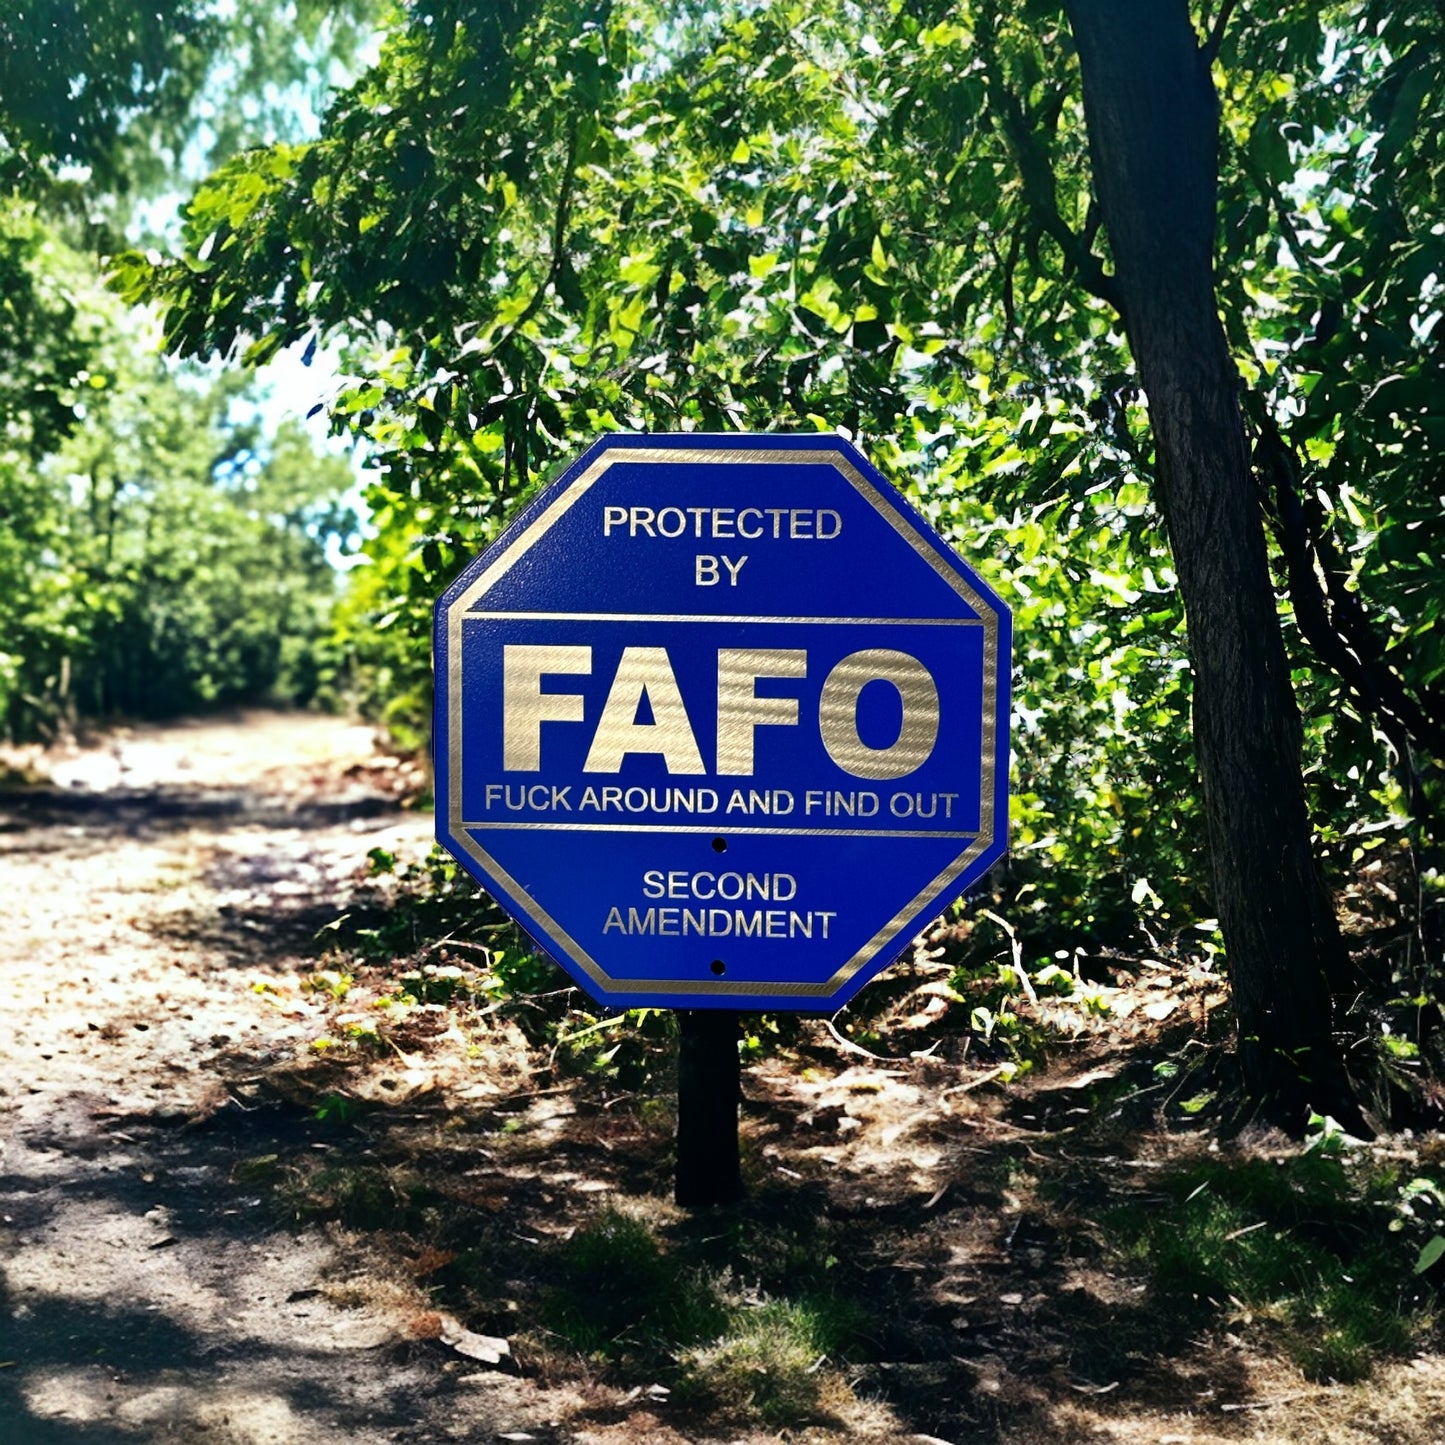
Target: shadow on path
{"x": 139, "y": 813}
{"x": 149, "y": 1292}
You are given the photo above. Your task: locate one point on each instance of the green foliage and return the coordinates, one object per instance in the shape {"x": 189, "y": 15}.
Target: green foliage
{"x": 161, "y": 553}
{"x": 104, "y": 102}
{"x": 617, "y": 1291}
{"x": 1331, "y": 277}
{"x": 47, "y": 342}
{"x": 72, "y": 75}
{"x": 337, "y": 1110}
{"x": 157, "y": 552}
{"x": 433, "y": 899}
{"x": 536, "y": 222}
{"x": 674, "y": 260}
{"x": 1317, "y": 1248}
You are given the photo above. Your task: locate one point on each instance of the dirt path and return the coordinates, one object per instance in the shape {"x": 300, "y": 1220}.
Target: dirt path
{"x": 153, "y": 900}
{"x": 212, "y": 1231}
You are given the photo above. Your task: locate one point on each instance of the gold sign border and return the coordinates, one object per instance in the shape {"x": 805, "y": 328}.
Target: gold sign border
{"x": 715, "y": 988}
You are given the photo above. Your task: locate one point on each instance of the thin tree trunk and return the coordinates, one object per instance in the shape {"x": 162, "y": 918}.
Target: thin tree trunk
{"x": 1152, "y": 117}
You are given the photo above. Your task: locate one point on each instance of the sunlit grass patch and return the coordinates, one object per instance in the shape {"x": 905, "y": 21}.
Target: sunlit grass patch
{"x": 766, "y": 1365}
{"x": 623, "y": 1299}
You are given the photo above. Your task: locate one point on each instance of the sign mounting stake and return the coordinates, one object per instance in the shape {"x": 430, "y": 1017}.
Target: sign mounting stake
{"x": 722, "y": 722}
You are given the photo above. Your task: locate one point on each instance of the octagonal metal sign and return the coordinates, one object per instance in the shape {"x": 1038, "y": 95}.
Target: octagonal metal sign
{"x": 721, "y": 721}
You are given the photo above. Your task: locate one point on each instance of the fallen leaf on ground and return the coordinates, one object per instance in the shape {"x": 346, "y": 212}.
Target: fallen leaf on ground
{"x": 489, "y": 1349}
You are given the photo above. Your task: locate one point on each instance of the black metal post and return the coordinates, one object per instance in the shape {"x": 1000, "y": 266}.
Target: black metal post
{"x": 708, "y": 1170}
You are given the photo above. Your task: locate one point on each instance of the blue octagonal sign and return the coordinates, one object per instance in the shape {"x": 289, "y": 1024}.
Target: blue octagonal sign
{"x": 722, "y": 722}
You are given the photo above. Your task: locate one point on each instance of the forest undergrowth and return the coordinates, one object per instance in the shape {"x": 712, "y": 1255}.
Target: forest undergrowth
{"x": 1008, "y": 1196}
{"x": 993, "y": 1178}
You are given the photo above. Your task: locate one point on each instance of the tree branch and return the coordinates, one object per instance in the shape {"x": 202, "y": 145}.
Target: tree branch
{"x": 1331, "y": 618}
{"x": 1275, "y": 197}
{"x": 1209, "y": 51}
{"x": 1040, "y": 185}
{"x": 1007, "y": 265}
{"x": 559, "y": 237}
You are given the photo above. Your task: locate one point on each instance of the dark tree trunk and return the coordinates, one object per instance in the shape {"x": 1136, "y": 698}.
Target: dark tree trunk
{"x": 1152, "y": 116}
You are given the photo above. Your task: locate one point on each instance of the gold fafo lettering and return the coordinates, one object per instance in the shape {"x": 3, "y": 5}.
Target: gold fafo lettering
{"x": 838, "y": 714}
{"x": 525, "y": 707}
{"x": 644, "y": 671}
{"x": 739, "y": 708}
{"x": 647, "y": 673}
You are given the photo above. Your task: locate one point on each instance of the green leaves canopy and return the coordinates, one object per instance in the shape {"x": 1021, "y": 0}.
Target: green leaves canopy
{"x": 537, "y": 221}
{"x": 164, "y": 555}
{"x": 156, "y": 553}
{"x": 102, "y": 99}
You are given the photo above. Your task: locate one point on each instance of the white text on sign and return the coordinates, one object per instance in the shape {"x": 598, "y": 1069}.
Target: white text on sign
{"x": 706, "y": 572}
{"x": 678, "y": 885}
{"x": 795, "y": 524}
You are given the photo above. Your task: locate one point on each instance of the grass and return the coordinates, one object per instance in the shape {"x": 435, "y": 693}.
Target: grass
{"x": 622, "y": 1299}
{"x": 766, "y": 1365}
{"x": 1300, "y": 1247}
{"x": 365, "y": 1197}
{"x": 618, "y": 1294}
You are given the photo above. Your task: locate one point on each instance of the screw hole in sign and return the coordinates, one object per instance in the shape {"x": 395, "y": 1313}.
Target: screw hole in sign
{"x": 719, "y": 845}
{"x": 719, "y": 967}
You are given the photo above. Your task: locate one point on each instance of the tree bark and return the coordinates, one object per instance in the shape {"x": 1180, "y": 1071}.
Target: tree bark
{"x": 1152, "y": 117}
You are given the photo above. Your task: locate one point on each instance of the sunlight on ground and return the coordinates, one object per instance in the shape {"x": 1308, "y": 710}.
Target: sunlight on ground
{"x": 256, "y": 744}
{"x": 211, "y": 1230}
{"x": 237, "y": 1416}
